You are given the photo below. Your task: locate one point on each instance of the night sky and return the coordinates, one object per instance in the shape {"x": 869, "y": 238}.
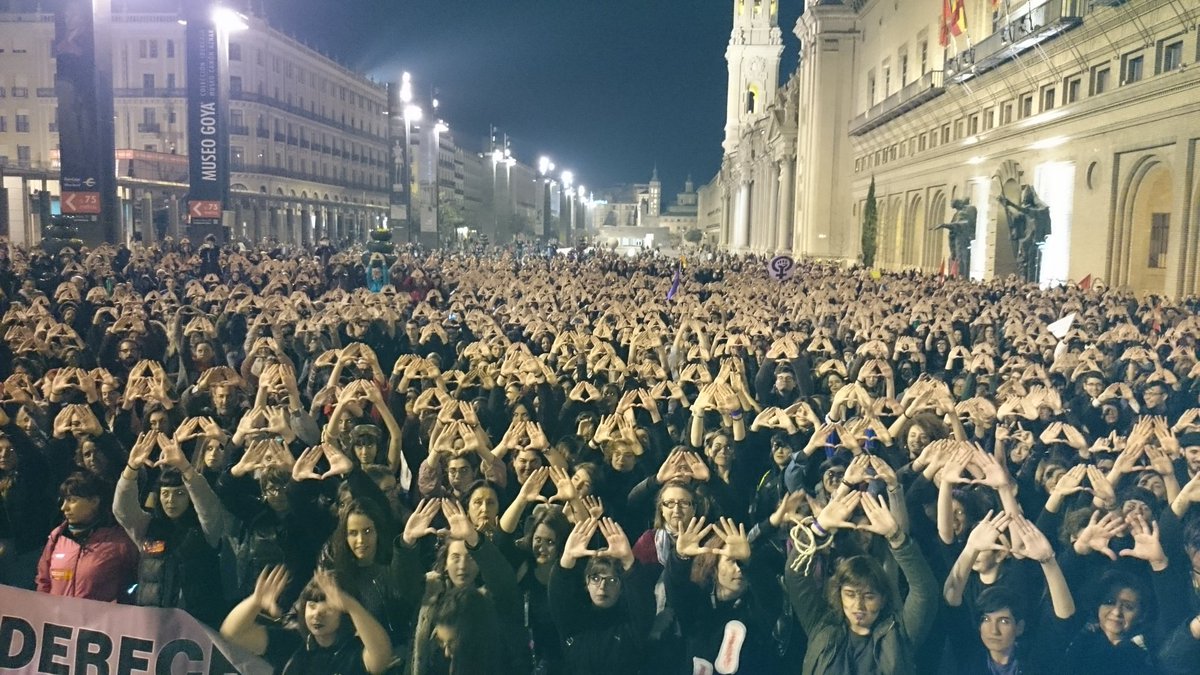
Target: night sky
{"x": 608, "y": 88}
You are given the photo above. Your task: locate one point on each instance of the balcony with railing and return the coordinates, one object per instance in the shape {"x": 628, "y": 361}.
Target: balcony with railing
{"x": 149, "y": 128}
{"x": 145, "y": 92}
{"x": 1042, "y": 21}
{"x": 262, "y": 132}
{"x": 253, "y": 97}
{"x": 280, "y": 172}
{"x": 925, "y": 88}
{"x": 239, "y": 130}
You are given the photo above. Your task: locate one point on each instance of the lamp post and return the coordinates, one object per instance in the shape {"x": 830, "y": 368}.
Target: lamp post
{"x": 566, "y": 209}
{"x": 438, "y": 129}
{"x": 545, "y": 166}
{"x": 411, "y": 113}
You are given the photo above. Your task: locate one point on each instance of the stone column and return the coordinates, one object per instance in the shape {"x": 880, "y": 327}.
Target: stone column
{"x": 741, "y": 218}
{"x": 773, "y": 241}
{"x": 787, "y": 207}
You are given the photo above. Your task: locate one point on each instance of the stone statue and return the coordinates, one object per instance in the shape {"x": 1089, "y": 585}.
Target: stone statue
{"x": 962, "y": 231}
{"x": 1029, "y": 226}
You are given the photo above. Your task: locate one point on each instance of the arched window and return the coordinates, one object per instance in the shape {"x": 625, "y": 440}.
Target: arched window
{"x": 752, "y": 100}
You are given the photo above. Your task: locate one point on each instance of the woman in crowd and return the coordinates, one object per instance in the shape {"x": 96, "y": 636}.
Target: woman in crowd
{"x": 88, "y": 555}
{"x": 308, "y": 398}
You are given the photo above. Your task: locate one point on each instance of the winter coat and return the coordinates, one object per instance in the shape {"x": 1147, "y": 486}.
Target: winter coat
{"x": 895, "y": 637}
{"x": 99, "y": 564}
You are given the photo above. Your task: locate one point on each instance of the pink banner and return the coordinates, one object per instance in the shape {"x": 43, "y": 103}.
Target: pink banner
{"x": 42, "y": 633}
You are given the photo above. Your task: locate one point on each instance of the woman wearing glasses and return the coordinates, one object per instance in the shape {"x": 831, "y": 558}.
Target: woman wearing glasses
{"x": 603, "y": 607}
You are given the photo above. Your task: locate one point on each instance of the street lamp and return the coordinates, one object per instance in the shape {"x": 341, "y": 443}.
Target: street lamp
{"x": 411, "y": 114}
{"x": 545, "y": 166}
{"x": 566, "y": 211}
{"x": 438, "y": 129}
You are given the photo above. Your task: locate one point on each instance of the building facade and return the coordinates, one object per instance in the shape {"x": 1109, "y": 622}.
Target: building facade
{"x": 309, "y": 153}
{"x": 1088, "y": 106}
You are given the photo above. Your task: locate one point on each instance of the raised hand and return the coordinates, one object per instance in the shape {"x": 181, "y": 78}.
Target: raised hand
{"x": 856, "y": 472}
{"x": 564, "y": 489}
{"x": 836, "y": 514}
{"x": 594, "y": 506}
{"x": 267, "y": 589}
{"x": 460, "y": 526}
{"x": 1097, "y": 534}
{"x": 531, "y": 489}
{"x": 143, "y": 447}
{"x": 339, "y": 463}
{"x": 334, "y": 597}
{"x": 618, "y": 544}
{"x": 1146, "y": 543}
{"x": 879, "y": 518}
{"x": 576, "y": 546}
{"x": 985, "y": 536}
{"x": 788, "y": 509}
{"x": 420, "y": 523}
{"x": 305, "y": 467}
{"x": 172, "y": 455}
{"x": 1028, "y": 541}
{"x": 737, "y": 544}
{"x": 689, "y": 542}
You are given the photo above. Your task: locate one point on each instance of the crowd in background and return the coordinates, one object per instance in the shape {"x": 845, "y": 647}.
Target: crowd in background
{"x": 495, "y": 461}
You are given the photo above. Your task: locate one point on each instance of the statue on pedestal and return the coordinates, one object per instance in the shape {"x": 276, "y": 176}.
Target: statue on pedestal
{"x": 962, "y": 231}
{"x": 1029, "y": 227}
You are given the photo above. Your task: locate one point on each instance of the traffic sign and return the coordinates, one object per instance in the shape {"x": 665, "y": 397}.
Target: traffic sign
{"x": 204, "y": 210}
{"x": 81, "y": 203}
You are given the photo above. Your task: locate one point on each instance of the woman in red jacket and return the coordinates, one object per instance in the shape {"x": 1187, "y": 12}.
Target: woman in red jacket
{"x": 89, "y": 555}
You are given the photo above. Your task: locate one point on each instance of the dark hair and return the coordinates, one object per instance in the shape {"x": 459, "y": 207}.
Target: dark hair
{"x": 861, "y": 571}
{"x": 85, "y": 486}
{"x": 552, "y": 518}
{"x": 1112, "y": 583}
{"x": 312, "y": 592}
{"x": 476, "y": 647}
{"x": 473, "y": 487}
{"x": 996, "y": 598}
{"x": 339, "y": 550}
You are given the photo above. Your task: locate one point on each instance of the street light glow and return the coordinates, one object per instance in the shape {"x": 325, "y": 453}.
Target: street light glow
{"x": 568, "y": 179}
{"x": 441, "y": 127}
{"x": 228, "y": 20}
{"x": 582, "y": 192}
{"x": 545, "y": 166}
{"x": 406, "y": 88}
{"x": 413, "y": 113}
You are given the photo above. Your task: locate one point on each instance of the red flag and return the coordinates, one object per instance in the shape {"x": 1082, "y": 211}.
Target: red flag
{"x": 944, "y": 24}
{"x": 958, "y": 19}
{"x": 1086, "y": 282}
{"x": 942, "y": 269}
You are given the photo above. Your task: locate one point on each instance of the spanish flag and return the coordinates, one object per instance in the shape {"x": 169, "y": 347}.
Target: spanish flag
{"x": 954, "y": 20}
{"x": 958, "y": 20}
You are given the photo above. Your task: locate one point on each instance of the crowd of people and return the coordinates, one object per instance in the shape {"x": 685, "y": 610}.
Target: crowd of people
{"x": 497, "y": 462}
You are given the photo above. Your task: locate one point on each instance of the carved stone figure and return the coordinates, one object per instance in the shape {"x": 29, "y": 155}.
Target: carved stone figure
{"x": 962, "y": 231}
{"x": 1029, "y": 226}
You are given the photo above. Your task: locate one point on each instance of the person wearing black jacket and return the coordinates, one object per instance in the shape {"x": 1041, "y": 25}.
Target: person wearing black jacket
{"x": 605, "y": 630}
{"x": 719, "y": 595}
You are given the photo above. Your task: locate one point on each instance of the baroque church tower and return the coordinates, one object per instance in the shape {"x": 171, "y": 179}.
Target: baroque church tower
{"x": 755, "y": 47}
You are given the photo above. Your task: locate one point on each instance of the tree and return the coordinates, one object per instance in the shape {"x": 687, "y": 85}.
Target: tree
{"x": 693, "y": 236}
{"x": 512, "y": 225}
{"x": 870, "y": 227}
{"x": 450, "y": 219}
